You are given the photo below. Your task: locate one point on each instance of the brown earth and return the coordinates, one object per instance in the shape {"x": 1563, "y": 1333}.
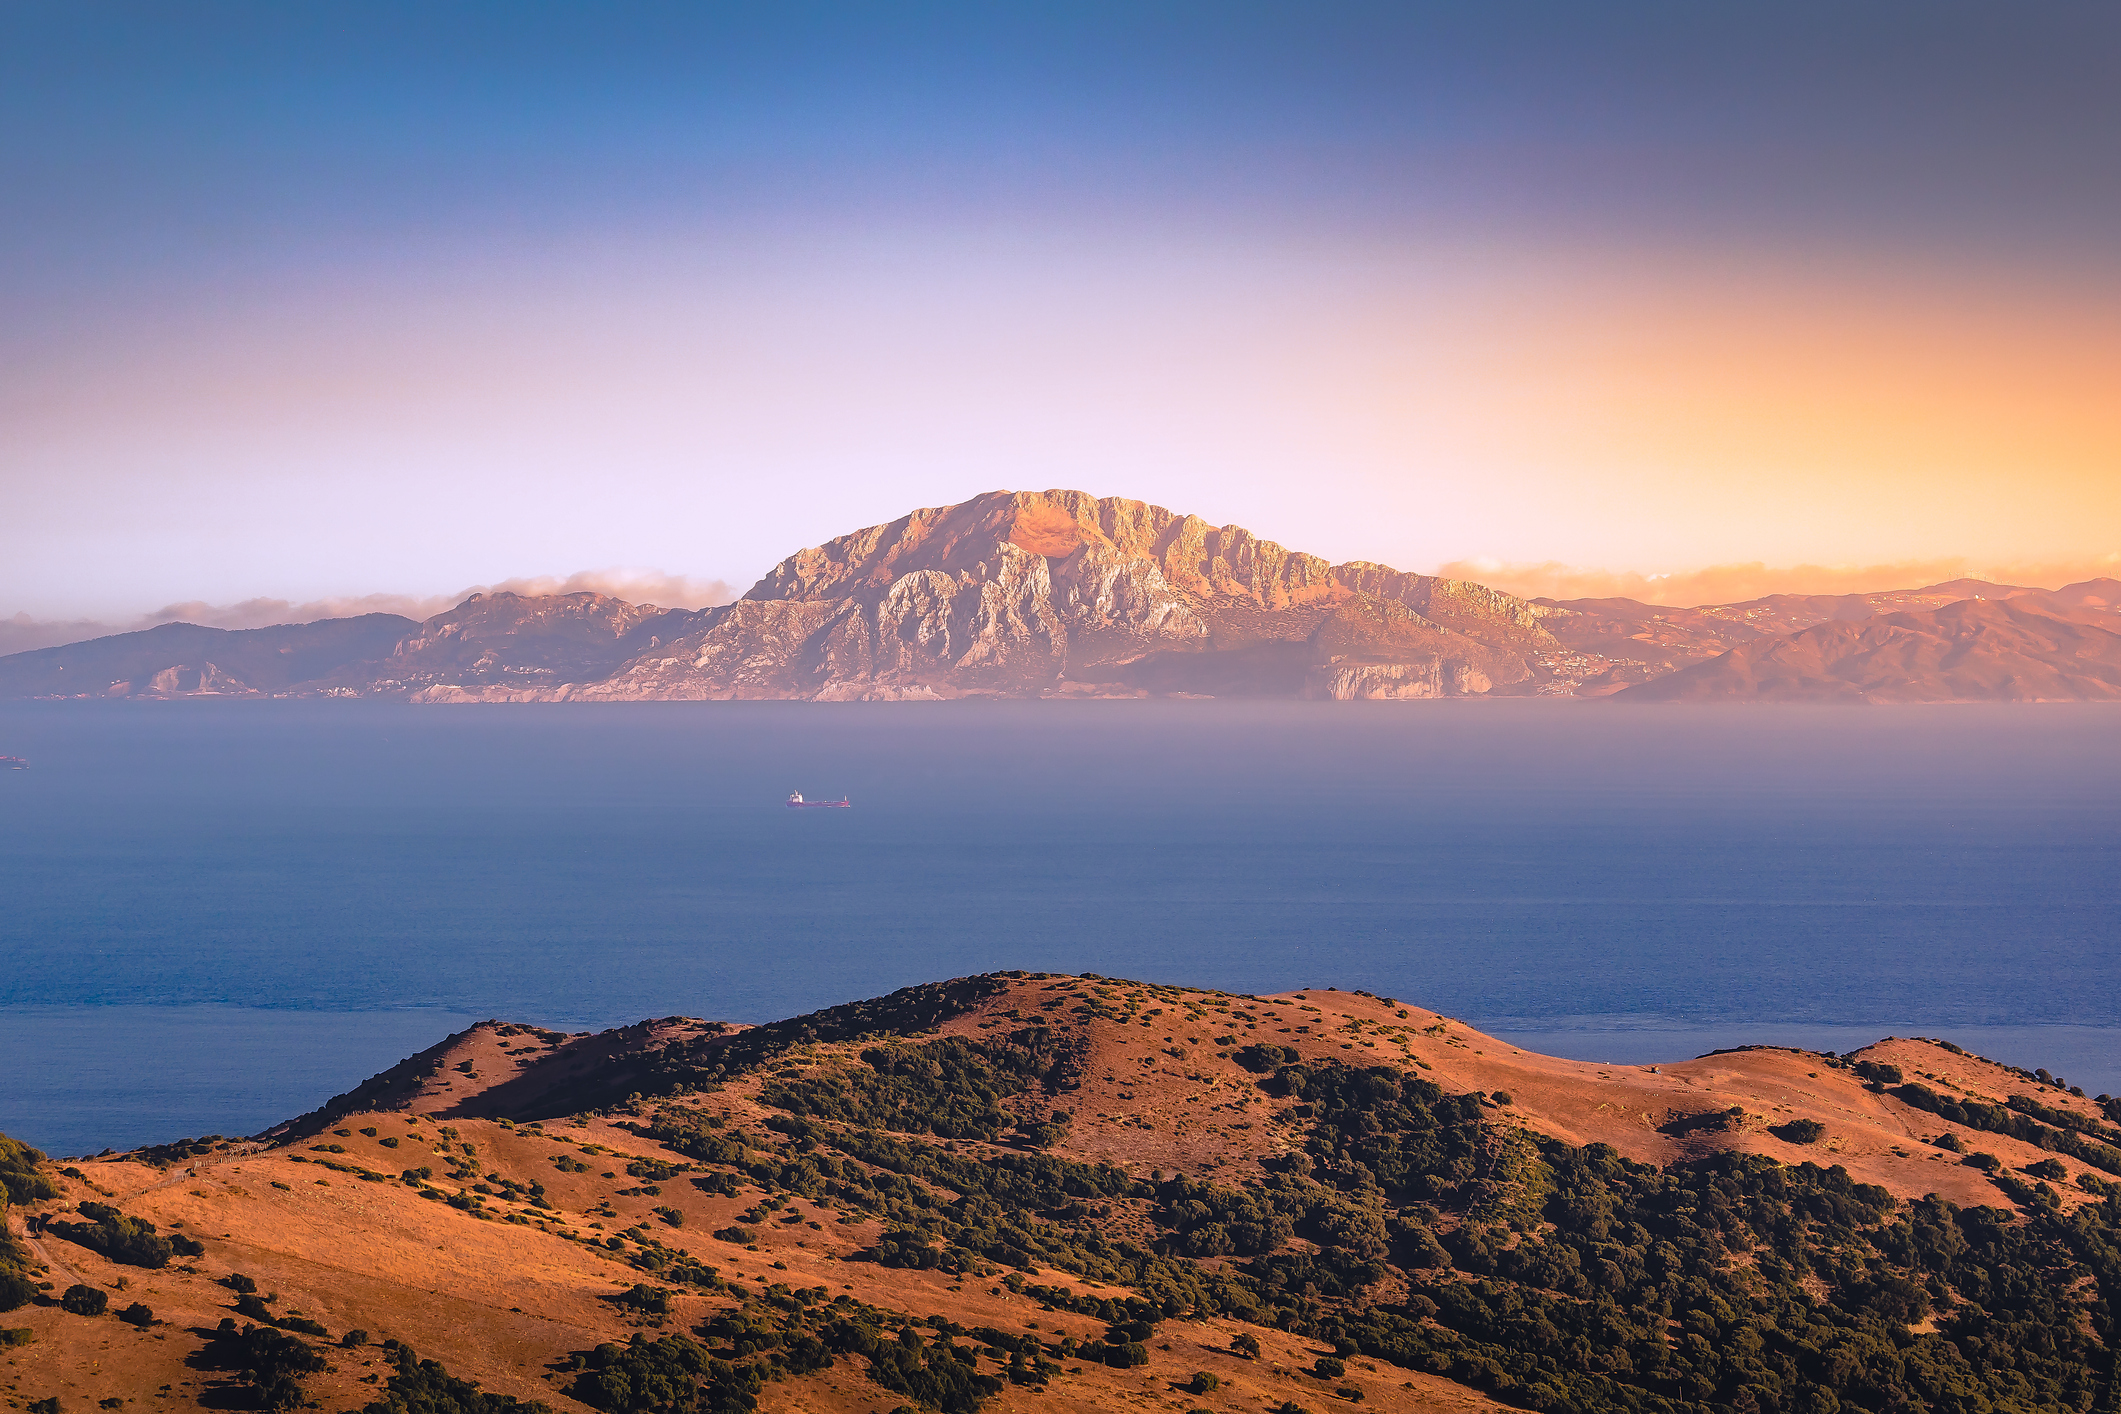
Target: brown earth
{"x": 504, "y": 1294}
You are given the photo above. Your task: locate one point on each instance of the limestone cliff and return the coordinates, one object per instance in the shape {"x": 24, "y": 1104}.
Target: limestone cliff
{"x": 1030, "y": 593}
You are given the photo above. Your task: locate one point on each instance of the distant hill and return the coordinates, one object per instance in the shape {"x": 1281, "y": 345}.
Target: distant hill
{"x": 183, "y": 660}
{"x": 1030, "y": 1191}
{"x": 2022, "y": 649}
{"x": 1625, "y": 643}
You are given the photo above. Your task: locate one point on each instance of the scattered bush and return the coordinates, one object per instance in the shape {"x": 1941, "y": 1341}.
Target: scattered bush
{"x": 1329, "y": 1367}
{"x": 654, "y": 1300}
{"x": 19, "y": 1175}
{"x": 272, "y": 1364}
{"x": 137, "y": 1314}
{"x": 674, "y": 1373}
{"x": 84, "y": 1300}
{"x": 122, "y": 1239}
{"x": 1799, "y": 1131}
{"x": 2047, "y": 1168}
{"x": 1202, "y": 1383}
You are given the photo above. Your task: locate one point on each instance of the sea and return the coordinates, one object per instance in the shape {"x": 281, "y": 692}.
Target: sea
{"x": 215, "y": 915}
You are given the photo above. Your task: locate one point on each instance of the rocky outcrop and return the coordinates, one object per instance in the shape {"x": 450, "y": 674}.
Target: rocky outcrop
{"x": 1028, "y": 593}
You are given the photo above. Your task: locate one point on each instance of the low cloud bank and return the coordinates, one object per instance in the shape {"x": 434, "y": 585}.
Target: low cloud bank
{"x": 21, "y": 633}
{"x": 1729, "y": 584}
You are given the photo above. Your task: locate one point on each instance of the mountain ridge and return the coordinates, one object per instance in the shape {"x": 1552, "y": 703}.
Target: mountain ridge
{"x": 1060, "y": 593}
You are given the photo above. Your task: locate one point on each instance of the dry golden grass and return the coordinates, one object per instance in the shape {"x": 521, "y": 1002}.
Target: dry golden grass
{"x": 503, "y": 1302}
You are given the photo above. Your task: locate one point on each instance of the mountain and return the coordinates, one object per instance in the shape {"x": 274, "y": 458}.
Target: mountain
{"x": 1977, "y": 650}
{"x": 1060, "y": 593}
{"x": 1030, "y": 1191}
{"x": 1009, "y": 594}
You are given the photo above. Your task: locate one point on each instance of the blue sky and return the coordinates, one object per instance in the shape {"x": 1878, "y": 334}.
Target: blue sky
{"x": 318, "y": 300}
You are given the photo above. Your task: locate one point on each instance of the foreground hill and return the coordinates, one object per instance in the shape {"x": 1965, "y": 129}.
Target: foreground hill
{"x": 1035, "y": 1191}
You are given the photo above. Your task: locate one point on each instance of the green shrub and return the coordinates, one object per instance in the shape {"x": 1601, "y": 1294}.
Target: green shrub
{"x": 19, "y": 1175}
{"x": 83, "y": 1300}
{"x": 424, "y": 1387}
{"x": 673, "y": 1373}
{"x": 1799, "y": 1131}
{"x": 132, "y": 1241}
{"x": 16, "y": 1335}
{"x": 654, "y": 1300}
{"x": 1328, "y": 1367}
{"x": 137, "y": 1314}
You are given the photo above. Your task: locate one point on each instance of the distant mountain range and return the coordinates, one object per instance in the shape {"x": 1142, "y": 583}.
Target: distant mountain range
{"x": 1058, "y": 593}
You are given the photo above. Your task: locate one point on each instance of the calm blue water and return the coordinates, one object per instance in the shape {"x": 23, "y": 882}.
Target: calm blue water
{"x": 181, "y": 881}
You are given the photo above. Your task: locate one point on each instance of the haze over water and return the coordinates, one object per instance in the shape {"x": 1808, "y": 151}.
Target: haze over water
{"x": 219, "y": 914}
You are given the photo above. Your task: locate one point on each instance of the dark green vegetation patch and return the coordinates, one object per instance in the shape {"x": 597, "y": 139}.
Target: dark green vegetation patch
{"x": 2064, "y": 1133}
{"x": 423, "y": 1387}
{"x": 952, "y": 1087}
{"x": 132, "y": 1241}
{"x": 1551, "y": 1276}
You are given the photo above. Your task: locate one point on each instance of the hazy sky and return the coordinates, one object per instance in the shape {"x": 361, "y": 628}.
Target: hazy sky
{"x": 322, "y": 300}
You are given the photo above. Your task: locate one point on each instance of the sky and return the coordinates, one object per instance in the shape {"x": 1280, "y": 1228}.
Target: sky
{"x": 336, "y": 304}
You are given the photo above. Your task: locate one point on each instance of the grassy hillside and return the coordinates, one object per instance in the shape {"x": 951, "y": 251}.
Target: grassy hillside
{"x": 1060, "y": 1192}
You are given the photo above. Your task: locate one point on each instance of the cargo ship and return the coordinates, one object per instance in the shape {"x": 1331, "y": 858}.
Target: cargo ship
{"x": 796, "y": 802}
{"x": 13, "y": 763}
